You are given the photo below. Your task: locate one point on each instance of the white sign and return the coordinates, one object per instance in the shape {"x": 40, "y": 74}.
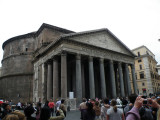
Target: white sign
{"x": 71, "y": 95}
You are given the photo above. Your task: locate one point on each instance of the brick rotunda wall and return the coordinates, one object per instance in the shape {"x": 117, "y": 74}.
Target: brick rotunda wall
{"x": 17, "y": 69}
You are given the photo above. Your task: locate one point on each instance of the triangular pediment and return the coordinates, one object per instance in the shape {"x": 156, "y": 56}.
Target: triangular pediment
{"x": 103, "y": 39}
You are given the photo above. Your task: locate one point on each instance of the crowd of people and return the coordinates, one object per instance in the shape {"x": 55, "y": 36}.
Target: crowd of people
{"x": 133, "y": 108}
{"x": 25, "y": 112}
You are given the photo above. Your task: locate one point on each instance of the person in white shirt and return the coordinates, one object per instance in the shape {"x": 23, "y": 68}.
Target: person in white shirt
{"x": 19, "y": 105}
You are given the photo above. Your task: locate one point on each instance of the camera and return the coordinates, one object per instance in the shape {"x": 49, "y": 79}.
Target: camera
{"x": 145, "y": 101}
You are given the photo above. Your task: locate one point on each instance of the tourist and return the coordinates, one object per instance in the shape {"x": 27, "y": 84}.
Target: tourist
{"x": 83, "y": 107}
{"x": 133, "y": 114}
{"x": 60, "y": 117}
{"x": 58, "y": 103}
{"x": 16, "y": 115}
{"x": 6, "y": 110}
{"x": 104, "y": 108}
{"x": 97, "y": 110}
{"x": 145, "y": 113}
{"x": 118, "y": 100}
{"x": 62, "y": 107}
{"x": 11, "y": 103}
{"x": 28, "y": 111}
{"x": 132, "y": 99}
{"x": 45, "y": 114}
{"x": 92, "y": 101}
{"x": 19, "y": 105}
{"x": 38, "y": 111}
{"x": 34, "y": 106}
{"x": 114, "y": 113}
{"x": 89, "y": 113}
{"x": 124, "y": 100}
{"x": 21, "y": 116}
{"x": 11, "y": 117}
{"x": 1, "y": 109}
{"x": 51, "y": 106}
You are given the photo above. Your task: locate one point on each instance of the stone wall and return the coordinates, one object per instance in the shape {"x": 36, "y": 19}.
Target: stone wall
{"x": 46, "y": 36}
{"x": 0, "y": 71}
{"x": 17, "y": 88}
{"x": 17, "y": 70}
{"x": 18, "y": 47}
{"x": 148, "y": 75}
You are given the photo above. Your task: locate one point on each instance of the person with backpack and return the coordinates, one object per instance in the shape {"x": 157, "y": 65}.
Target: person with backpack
{"x": 63, "y": 107}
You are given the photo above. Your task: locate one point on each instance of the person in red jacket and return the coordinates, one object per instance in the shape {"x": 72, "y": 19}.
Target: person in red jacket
{"x": 51, "y": 106}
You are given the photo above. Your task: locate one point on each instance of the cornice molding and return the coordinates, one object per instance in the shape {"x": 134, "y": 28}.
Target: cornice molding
{"x": 44, "y": 25}
{"x": 18, "y": 54}
{"x": 60, "y": 45}
{"x": 18, "y": 74}
{"x": 146, "y": 55}
{"x": 28, "y": 35}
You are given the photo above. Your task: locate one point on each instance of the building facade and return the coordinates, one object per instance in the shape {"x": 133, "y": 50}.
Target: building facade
{"x": 53, "y": 61}
{"x": 0, "y": 71}
{"x": 158, "y": 68}
{"x": 146, "y": 72}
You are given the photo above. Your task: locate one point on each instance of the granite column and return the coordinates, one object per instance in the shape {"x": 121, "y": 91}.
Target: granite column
{"x": 91, "y": 78}
{"x": 121, "y": 79}
{"x": 78, "y": 79}
{"x": 49, "y": 81}
{"x": 134, "y": 79}
{"x": 127, "y": 79}
{"x": 63, "y": 75}
{"x": 102, "y": 78}
{"x": 112, "y": 79}
{"x": 55, "y": 79}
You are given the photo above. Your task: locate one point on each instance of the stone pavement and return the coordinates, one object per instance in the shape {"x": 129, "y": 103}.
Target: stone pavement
{"x": 73, "y": 115}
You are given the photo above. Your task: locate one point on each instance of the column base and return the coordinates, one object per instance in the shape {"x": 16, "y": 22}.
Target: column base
{"x": 71, "y": 104}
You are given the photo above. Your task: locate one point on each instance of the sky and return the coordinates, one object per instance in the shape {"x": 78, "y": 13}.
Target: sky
{"x": 134, "y": 22}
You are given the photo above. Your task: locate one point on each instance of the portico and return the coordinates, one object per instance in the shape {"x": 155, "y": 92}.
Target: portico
{"x": 77, "y": 63}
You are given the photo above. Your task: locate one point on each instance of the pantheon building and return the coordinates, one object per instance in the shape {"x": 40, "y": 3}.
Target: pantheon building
{"x": 53, "y": 61}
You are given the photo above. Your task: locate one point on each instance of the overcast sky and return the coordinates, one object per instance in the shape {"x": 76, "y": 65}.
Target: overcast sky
{"x": 134, "y": 22}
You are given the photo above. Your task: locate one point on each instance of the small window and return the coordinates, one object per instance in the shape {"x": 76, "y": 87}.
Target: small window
{"x": 147, "y": 53}
{"x": 141, "y": 75}
{"x": 139, "y": 60}
{"x": 140, "y": 67}
{"x": 143, "y": 84}
{"x": 26, "y": 49}
{"x": 138, "y": 54}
